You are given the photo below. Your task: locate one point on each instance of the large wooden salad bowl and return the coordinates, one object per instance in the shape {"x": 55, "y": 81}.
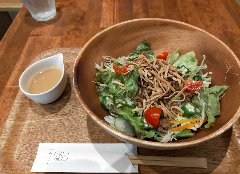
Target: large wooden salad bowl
{"x": 121, "y": 39}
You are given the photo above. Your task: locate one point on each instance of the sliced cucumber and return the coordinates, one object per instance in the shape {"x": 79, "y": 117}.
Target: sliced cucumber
{"x": 124, "y": 126}
{"x": 110, "y": 119}
{"x": 185, "y": 133}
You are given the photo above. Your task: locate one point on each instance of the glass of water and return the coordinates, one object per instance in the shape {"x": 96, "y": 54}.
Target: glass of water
{"x": 41, "y": 10}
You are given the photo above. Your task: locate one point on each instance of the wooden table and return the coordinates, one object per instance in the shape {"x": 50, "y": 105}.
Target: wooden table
{"x": 78, "y": 20}
{"x": 9, "y": 5}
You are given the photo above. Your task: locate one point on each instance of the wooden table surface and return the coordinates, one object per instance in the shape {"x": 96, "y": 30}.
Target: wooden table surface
{"x": 10, "y": 5}
{"x": 78, "y": 20}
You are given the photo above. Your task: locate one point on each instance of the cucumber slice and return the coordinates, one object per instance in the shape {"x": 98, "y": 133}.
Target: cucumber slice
{"x": 185, "y": 133}
{"x": 110, "y": 119}
{"x": 124, "y": 126}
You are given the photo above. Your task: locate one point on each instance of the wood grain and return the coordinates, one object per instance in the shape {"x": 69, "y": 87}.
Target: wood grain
{"x": 169, "y": 161}
{"x": 78, "y": 20}
{"x": 8, "y": 5}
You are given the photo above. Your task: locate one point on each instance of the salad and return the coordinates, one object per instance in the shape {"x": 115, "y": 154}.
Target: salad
{"x": 161, "y": 97}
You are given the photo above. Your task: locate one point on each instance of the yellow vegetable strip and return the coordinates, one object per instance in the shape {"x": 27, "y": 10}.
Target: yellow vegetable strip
{"x": 186, "y": 126}
{"x": 186, "y": 121}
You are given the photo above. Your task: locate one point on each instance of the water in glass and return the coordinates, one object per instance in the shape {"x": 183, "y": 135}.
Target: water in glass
{"x": 41, "y": 10}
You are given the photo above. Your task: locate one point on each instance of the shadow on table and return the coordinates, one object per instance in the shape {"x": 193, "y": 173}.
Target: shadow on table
{"x": 98, "y": 135}
{"x": 213, "y": 150}
{"x": 30, "y": 21}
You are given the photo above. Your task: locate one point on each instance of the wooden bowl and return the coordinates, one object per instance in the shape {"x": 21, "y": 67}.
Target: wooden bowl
{"x": 122, "y": 38}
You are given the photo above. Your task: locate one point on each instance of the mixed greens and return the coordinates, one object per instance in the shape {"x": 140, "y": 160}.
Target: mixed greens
{"x": 118, "y": 84}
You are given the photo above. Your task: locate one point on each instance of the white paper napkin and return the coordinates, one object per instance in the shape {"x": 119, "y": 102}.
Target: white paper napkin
{"x": 85, "y": 158}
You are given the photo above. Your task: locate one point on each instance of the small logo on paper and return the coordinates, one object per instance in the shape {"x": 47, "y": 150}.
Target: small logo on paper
{"x": 57, "y": 155}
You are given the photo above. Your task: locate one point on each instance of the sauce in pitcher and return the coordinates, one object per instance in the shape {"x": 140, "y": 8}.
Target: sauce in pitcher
{"x": 44, "y": 80}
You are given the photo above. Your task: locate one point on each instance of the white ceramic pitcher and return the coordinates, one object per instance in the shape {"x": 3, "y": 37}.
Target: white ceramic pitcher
{"x": 51, "y": 95}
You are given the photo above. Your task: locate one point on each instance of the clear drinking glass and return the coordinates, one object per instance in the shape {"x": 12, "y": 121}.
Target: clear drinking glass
{"x": 41, "y": 10}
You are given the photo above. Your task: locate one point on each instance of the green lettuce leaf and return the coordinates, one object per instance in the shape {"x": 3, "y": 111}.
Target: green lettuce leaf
{"x": 104, "y": 77}
{"x": 106, "y": 100}
{"x": 130, "y": 83}
{"x": 117, "y": 100}
{"x": 143, "y": 48}
{"x": 173, "y": 57}
{"x": 211, "y": 97}
{"x": 108, "y": 87}
{"x": 216, "y": 90}
{"x": 186, "y": 62}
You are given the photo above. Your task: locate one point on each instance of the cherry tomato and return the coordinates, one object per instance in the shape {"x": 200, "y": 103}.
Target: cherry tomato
{"x": 192, "y": 86}
{"x": 163, "y": 55}
{"x": 120, "y": 69}
{"x": 152, "y": 116}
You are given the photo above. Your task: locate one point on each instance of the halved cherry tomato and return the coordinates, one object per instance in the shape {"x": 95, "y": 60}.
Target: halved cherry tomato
{"x": 163, "y": 55}
{"x": 152, "y": 116}
{"x": 192, "y": 86}
{"x": 120, "y": 69}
